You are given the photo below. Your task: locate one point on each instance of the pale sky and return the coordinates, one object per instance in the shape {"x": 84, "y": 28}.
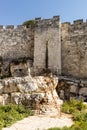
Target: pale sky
{"x": 15, "y": 12}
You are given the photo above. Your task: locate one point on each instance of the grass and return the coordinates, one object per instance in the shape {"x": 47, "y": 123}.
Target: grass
{"x": 9, "y": 114}
{"x": 73, "y": 106}
{"x": 78, "y": 111}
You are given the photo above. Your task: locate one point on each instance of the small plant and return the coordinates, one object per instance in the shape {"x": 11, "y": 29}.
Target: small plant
{"x": 80, "y": 116}
{"x": 28, "y": 23}
{"x": 54, "y": 128}
{"x": 9, "y": 114}
{"x": 73, "y": 106}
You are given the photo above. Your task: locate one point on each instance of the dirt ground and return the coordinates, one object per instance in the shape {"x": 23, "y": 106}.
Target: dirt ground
{"x": 41, "y": 122}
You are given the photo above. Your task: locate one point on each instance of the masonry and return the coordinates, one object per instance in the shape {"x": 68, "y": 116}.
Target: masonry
{"x": 48, "y": 45}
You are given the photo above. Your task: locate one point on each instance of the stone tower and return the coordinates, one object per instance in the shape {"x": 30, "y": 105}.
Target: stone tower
{"x": 47, "y": 45}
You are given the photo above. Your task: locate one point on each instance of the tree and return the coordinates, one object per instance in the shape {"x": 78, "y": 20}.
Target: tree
{"x": 28, "y": 23}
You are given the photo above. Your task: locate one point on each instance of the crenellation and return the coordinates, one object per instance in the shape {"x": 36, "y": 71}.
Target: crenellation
{"x": 9, "y": 27}
{"x": 37, "y": 19}
{"x": 66, "y": 24}
{"x": 78, "y": 22}
{"x": 56, "y": 18}
{"x": 45, "y": 23}
{"x": 1, "y": 26}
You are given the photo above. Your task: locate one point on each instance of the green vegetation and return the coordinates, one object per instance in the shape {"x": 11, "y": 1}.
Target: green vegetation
{"x": 28, "y": 23}
{"x": 78, "y": 111}
{"x": 73, "y": 106}
{"x": 9, "y": 114}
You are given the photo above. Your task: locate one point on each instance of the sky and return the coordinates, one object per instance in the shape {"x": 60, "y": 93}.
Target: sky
{"x": 15, "y": 12}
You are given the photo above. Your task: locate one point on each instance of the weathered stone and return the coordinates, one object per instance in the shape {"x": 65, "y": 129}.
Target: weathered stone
{"x": 27, "y": 87}
{"x": 38, "y": 93}
{"x": 15, "y": 98}
{"x": 1, "y": 88}
{"x": 1, "y": 100}
{"x": 10, "y": 86}
{"x": 73, "y": 89}
{"x": 46, "y": 83}
{"x": 6, "y": 99}
{"x": 47, "y": 37}
{"x": 83, "y": 91}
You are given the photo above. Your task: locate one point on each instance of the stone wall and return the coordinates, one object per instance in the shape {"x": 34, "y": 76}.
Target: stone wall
{"x": 74, "y": 49}
{"x": 47, "y": 45}
{"x": 15, "y": 44}
{"x": 69, "y": 88}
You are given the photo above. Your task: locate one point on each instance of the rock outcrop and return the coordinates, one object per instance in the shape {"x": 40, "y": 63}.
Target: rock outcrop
{"x": 38, "y": 93}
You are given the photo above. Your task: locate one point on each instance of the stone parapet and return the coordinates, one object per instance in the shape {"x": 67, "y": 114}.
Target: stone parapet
{"x": 45, "y": 23}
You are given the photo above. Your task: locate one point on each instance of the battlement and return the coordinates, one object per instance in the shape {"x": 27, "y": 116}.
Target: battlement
{"x": 75, "y": 23}
{"x": 78, "y": 27}
{"x": 45, "y": 23}
{"x": 12, "y": 27}
{"x": 78, "y": 22}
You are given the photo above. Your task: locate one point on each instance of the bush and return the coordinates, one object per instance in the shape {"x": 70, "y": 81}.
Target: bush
{"x": 80, "y": 116}
{"x": 73, "y": 106}
{"x": 29, "y": 22}
{"x": 1, "y": 124}
{"x": 11, "y": 113}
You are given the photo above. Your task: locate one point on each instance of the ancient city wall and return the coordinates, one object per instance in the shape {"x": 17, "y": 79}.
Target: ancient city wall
{"x": 47, "y": 45}
{"x": 74, "y": 49}
{"x": 15, "y": 44}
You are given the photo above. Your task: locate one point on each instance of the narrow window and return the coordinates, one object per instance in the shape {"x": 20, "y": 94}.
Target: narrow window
{"x": 47, "y": 55}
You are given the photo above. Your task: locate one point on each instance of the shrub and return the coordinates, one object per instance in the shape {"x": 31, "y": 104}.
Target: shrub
{"x": 29, "y": 22}
{"x": 73, "y": 106}
{"x": 11, "y": 113}
{"x": 1, "y": 124}
{"x": 80, "y": 116}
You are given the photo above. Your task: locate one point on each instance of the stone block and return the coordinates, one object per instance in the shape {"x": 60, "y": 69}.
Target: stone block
{"x": 83, "y": 91}
{"x": 6, "y": 99}
{"x": 1, "y": 88}
{"x": 10, "y": 86}
{"x": 73, "y": 89}
{"x": 10, "y": 27}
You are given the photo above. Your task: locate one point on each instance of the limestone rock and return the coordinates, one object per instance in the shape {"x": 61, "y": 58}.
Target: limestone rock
{"x": 1, "y": 88}
{"x": 1, "y": 100}
{"x": 83, "y": 91}
{"x": 38, "y": 93}
{"x": 6, "y": 99}
{"x": 15, "y": 97}
{"x": 73, "y": 88}
{"x": 27, "y": 86}
{"x": 10, "y": 85}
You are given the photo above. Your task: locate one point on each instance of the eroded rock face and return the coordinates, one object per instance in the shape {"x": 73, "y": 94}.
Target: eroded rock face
{"x": 38, "y": 93}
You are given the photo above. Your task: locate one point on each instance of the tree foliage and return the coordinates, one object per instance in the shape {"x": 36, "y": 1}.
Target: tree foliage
{"x": 29, "y": 23}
